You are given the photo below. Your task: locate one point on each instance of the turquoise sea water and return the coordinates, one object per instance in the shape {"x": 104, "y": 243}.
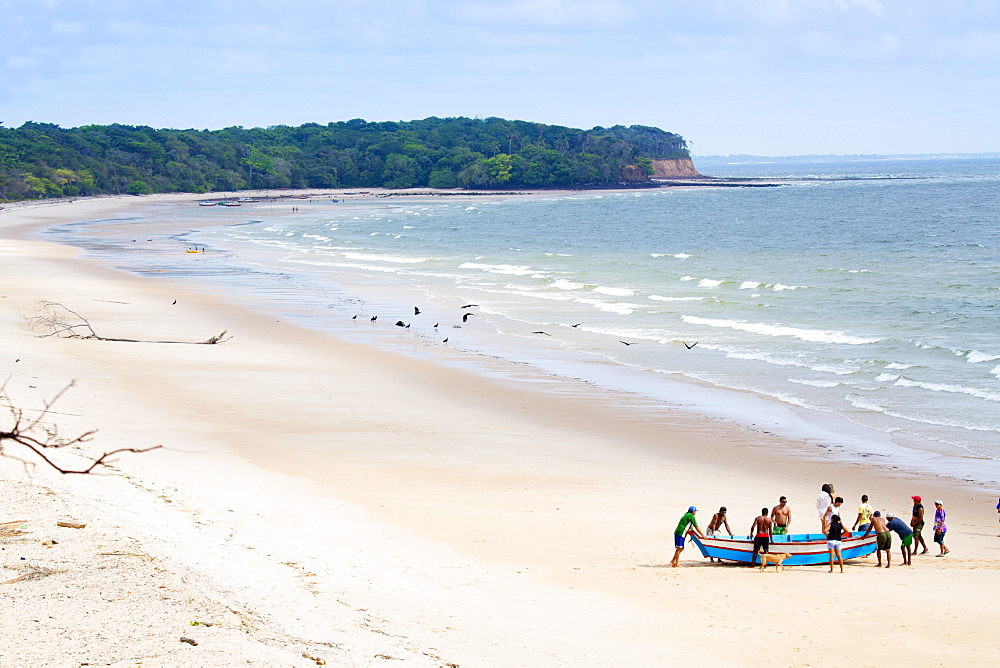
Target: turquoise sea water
{"x": 868, "y": 304}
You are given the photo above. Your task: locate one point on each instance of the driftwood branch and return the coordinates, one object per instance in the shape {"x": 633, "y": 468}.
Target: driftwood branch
{"x": 42, "y": 439}
{"x": 54, "y": 319}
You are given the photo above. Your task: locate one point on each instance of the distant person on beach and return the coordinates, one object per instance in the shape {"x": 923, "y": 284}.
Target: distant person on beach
{"x": 917, "y": 524}
{"x": 824, "y": 501}
{"x": 883, "y": 538}
{"x": 905, "y": 534}
{"x": 688, "y": 522}
{"x": 940, "y": 528}
{"x": 834, "y": 541}
{"x": 781, "y": 515}
{"x": 998, "y": 510}
{"x": 761, "y": 532}
{"x": 719, "y": 520}
{"x": 864, "y": 515}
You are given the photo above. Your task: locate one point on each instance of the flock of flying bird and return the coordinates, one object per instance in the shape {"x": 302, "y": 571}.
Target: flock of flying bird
{"x": 465, "y": 318}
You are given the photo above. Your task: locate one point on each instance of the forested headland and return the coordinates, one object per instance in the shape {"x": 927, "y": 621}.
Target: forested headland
{"x": 44, "y": 160}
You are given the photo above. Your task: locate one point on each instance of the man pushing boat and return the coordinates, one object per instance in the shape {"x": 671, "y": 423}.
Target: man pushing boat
{"x": 680, "y": 533}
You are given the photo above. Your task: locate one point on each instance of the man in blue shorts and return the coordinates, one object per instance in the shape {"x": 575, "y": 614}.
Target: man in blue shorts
{"x": 688, "y": 520}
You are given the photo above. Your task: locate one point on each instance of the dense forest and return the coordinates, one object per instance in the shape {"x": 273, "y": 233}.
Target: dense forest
{"x": 45, "y": 160}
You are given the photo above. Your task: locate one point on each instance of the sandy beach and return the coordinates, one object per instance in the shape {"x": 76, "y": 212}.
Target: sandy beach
{"x": 319, "y": 501}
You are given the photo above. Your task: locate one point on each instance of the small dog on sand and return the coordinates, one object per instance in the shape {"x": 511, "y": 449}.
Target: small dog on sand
{"x": 776, "y": 559}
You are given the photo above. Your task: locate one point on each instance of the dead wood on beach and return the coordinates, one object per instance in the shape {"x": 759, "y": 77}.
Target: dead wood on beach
{"x": 42, "y": 438}
{"x": 54, "y": 319}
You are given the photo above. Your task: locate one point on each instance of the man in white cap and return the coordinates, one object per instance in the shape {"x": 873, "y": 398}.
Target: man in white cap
{"x": 905, "y": 534}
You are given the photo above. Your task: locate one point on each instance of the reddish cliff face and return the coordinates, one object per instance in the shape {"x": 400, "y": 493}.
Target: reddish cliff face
{"x": 673, "y": 168}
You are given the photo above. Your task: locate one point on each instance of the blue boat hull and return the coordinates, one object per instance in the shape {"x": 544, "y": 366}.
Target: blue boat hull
{"x": 805, "y": 549}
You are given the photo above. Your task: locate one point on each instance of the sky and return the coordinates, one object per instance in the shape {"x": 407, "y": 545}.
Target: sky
{"x": 760, "y": 77}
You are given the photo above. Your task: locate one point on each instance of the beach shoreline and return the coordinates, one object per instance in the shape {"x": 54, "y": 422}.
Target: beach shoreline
{"x": 439, "y": 501}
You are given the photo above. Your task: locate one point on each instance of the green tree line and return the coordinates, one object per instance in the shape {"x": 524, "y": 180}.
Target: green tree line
{"x": 45, "y": 160}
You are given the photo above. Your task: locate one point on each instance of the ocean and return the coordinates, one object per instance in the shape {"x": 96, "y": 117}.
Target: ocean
{"x": 855, "y": 307}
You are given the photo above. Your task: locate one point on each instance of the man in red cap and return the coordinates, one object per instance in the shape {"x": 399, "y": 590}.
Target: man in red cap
{"x": 917, "y": 524}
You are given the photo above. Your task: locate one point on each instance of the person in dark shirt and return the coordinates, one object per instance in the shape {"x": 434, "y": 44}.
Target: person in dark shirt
{"x": 917, "y": 524}
{"x": 834, "y": 540}
{"x": 905, "y": 536}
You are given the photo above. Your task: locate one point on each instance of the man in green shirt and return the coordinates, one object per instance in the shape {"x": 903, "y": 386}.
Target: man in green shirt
{"x": 688, "y": 520}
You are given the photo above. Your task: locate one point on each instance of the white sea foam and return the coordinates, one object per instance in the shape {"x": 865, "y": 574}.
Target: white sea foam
{"x": 614, "y": 292}
{"x": 996, "y": 372}
{"x": 975, "y": 357}
{"x": 839, "y": 370}
{"x": 564, "y": 284}
{"x": 898, "y": 365}
{"x": 814, "y": 383}
{"x": 864, "y": 404}
{"x": 952, "y": 389}
{"x": 818, "y": 336}
{"x": 778, "y": 287}
{"x": 749, "y": 285}
{"x": 709, "y": 283}
{"x": 508, "y": 269}
{"x": 610, "y": 307}
{"x": 887, "y": 377}
{"x": 658, "y": 298}
{"x": 385, "y": 258}
{"x": 688, "y": 278}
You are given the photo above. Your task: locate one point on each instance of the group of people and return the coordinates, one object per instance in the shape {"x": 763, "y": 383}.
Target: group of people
{"x": 828, "y": 508}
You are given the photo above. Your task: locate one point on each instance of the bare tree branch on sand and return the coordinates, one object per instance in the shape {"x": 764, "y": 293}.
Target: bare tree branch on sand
{"x": 54, "y": 319}
{"x": 43, "y": 439}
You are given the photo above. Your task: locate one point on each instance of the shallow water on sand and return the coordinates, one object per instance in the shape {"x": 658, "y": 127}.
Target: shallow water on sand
{"x": 871, "y": 300}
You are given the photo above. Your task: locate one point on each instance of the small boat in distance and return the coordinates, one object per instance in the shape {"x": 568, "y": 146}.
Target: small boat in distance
{"x": 806, "y": 549}
{"x": 229, "y": 202}
{"x": 208, "y": 203}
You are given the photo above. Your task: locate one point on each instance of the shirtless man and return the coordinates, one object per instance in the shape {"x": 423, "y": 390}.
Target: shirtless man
{"x": 781, "y": 514}
{"x": 719, "y": 520}
{"x": 761, "y": 532}
{"x": 883, "y": 538}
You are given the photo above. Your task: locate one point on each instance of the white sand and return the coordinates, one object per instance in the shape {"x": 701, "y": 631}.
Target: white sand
{"x": 321, "y": 498}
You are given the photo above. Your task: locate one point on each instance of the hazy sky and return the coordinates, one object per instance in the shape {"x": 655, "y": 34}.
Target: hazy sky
{"x": 770, "y": 77}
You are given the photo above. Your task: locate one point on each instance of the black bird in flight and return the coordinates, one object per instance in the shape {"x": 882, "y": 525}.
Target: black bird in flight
{"x": 173, "y": 302}
{"x": 465, "y": 317}
{"x": 545, "y": 333}
{"x": 577, "y": 324}
{"x": 374, "y": 318}
{"x": 354, "y": 317}
{"x": 445, "y": 341}
{"x": 689, "y": 346}
{"x": 470, "y": 305}
{"x": 400, "y": 323}
{"x": 416, "y": 311}
{"x": 436, "y": 325}
{"x": 627, "y": 343}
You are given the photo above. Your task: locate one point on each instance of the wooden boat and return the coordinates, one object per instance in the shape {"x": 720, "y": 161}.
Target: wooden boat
{"x": 208, "y": 203}
{"x": 805, "y": 548}
{"x": 230, "y": 202}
